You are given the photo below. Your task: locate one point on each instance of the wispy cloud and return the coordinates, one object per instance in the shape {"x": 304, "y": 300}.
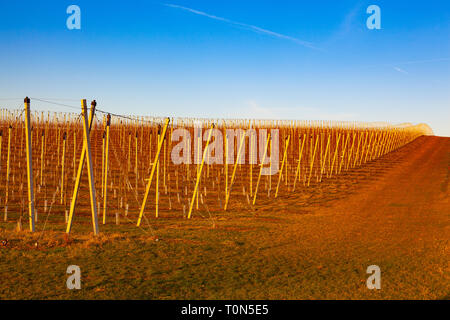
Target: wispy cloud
{"x": 246, "y": 26}
{"x": 425, "y": 61}
{"x": 394, "y": 65}
{"x": 348, "y": 24}
{"x": 400, "y": 70}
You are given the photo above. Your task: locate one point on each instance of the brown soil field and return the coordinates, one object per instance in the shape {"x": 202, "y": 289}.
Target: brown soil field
{"x": 315, "y": 243}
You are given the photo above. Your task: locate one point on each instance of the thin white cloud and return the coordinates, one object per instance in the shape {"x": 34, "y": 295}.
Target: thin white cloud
{"x": 400, "y": 70}
{"x": 394, "y": 65}
{"x": 348, "y": 24}
{"x": 246, "y": 26}
{"x": 424, "y": 61}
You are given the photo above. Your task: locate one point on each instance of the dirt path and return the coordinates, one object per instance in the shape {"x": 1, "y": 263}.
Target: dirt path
{"x": 398, "y": 221}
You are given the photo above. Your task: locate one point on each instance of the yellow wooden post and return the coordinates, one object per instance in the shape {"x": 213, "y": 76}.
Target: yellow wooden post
{"x": 74, "y": 152}
{"x": 282, "y": 165}
{"x": 103, "y": 162}
{"x": 286, "y": 170}
{"x": 385, "y": 148}
{"x": 150, "y": 150}
{"x": 226, "y": 161}
{"x": 325, "y": 157}
{"x": 58, "y": 142}
{"x": 149, "y": 183}
{"x": 80, "y": 169}
{"x": 330, "y": 172}
{"x": 136, "y": 154}
{"x": 385, "y": 143}
{"x": 62, "y": 166}
{"x": 312, "y": 160}
{"x": 300, "y": 152}
{"x": 261, "y": 169}
{"x": 129, "y": 151}
{"x": 1, "y": 141}
{"x": 270, "y": 164}
{"x": 42, "y": 158}
{"x": 368, "y": 147}
{"x": 105, "y": 173}
{"x": 199, "y": 142}
{"x": 87, "y": 147}
{"x": 199, "y": 172}
{"x": 357, "y": 149}
{"x": 157, "y": 186}
{"x": 374, "y": 153}
{"x": 349, "y": 158}
{"x": 234, "y": 170}
{"x": 164, "y": 162}
{"x": 8, "y": 163}
{"x": 250, "y": 160}
{"x": 363, "y": 148}
{"x": 29, "y": 165}
{"x": 380, "y": 144}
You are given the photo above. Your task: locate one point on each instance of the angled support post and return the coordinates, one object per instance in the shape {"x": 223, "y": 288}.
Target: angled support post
{"x": 282, "y": 165}
{"x": 105, "y": 173}
{"x": 330, "y": 172}
{"x": 297, "y": 172}
{"x": 149, "y": 183}
{"x": 62, "y": 168}
{"x": 261, "y": 169}
{"x": 90, "y": 167}
{"x": 312, "y": 161}
{"x": 199, "y": 173}
{"x": 80, "y": 169}
{"x": 227, "y": 197}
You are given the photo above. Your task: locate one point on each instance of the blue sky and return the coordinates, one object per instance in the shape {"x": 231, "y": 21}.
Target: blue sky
{"x": 258, "y": 59}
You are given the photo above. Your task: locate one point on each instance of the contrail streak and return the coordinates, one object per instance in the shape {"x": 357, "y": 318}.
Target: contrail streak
{"x": 246, "y": 26}
{"x": 400, "y": 70}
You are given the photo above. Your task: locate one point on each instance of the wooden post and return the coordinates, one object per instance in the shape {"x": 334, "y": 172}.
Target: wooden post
{"x": 226, "y": 161}
{"x": 1, "y": 141}
{"x": 368, "y": 147}
{"x": 103, "y": 163}
{"x": 80, "y": 169}
{"x": 149, "y": 183}
{"x": 136, "y": 154}
{"x": 8, "y": 162}
{"x": 199, "y": 144}
{"x": 105, "y": 173}
{"x": 234, "y": 171}
{"x": 261, "y": 169}
{"x": 330, "y": 172}
{"x": 87, "y": 147}
{"x": 282, "y": 165}
{"x": 62, "y": 166}
{"x": 350, "y": 154}
{"x": 250, "y": 160}
{"x": 324, "y": 160}
{"x": 363, "y": 147}
{"x": 300, "y": 152}
{"x": 42, "y": 159}
{"x": 129, "y": 151}
{"x": 157, "y": 186}
{"x": 29, "y": 164}
{"x": 312, "y": 161}
{"x": 74, "y": 152}
{"x": 199, "y": 172}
